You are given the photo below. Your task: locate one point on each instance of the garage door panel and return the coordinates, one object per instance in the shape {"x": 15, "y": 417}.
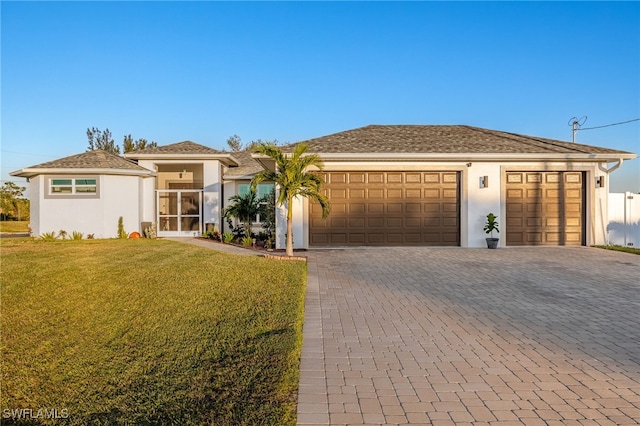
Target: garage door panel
{"x": 356, "y": 238}
{"x": 550, "y": 211}
{"x": 375, "y": 178}
{"x": 375, "y": 222}
{"x": 394, "y": 178}
{"x": 356, "y": 177}
{"x": 337, "y": 178}
{"x": 413, "y": 178}
{"x": 394, "y": 208}
{"x": 414, "y": 193}
{"x": 432, "y": 193}
{"x": 449, "y": 207}
{"x": 375, "y": 208}
{"x": 337, "y": 222}
{"x": 338, "y": 193}
{"x": 356, "y": 222}
{"x": 394, "y": 222}
{"x": 413, "y": 207}
{"x": 389, "y": 208}
{"x": 357, "y": 208}
{"x": 375, "y": 193}
{"x": 394, "y": 193}
{"x": 432, "y": 178}
{"x": 356, "y": 193}
{"x": 413, "y": 222}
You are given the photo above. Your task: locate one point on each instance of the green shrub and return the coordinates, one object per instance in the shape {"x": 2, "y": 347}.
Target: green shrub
{"x": 227, "y": 237}
{"x": 48, "y": 236}
{"x": 121, "y": 232}
{"x": 247, "y": 241}
{"x": 75, "y": 235}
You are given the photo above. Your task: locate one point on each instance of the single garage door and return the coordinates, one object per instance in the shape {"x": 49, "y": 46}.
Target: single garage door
{"x": 388, "y": 209}
{"x": 545, "y": 208}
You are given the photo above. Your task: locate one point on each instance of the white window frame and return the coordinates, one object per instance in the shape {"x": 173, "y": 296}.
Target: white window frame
{"x": 75, "y": 186}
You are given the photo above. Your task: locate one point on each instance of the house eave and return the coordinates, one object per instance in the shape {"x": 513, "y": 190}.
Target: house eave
{"x": 452, "y": 157}
{"x": 30, "y": 172}
{"x": 226, "y": 159}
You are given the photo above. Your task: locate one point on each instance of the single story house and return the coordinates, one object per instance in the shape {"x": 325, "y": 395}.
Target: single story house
{"x": 395, "y": 185}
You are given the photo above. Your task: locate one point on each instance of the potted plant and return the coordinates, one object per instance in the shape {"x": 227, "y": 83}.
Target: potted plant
{"x": 489, "y": 227}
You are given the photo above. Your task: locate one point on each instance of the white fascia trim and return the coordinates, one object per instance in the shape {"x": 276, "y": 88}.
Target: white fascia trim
{"x": 31, "y": 172}
{"x": 238, "y": 177}
{"x": 473, "y": 157}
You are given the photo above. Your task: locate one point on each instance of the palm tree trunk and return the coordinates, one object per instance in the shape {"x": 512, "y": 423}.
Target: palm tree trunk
{"x": 290, "y": 227}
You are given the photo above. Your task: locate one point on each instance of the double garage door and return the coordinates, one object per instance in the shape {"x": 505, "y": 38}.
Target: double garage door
{"x": 388, "y": 209}
{"x": 423, "y": 209}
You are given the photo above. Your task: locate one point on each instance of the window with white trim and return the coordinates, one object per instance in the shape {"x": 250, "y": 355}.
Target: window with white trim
{"x": 73, "y": 186}
{"x": 262, "y": 190}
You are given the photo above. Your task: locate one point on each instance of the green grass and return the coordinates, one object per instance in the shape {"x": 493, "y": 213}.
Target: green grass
{"x": 150, "y": 332}
{"x": 14, "y": 226}
{"x": 633, "y": 250}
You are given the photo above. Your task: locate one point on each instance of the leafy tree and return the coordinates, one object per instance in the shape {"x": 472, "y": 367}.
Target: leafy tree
{"x": 129, "y": 145}
{"x": 293, "y": 180}
{"x": 235, "y": 143}
{"x": 245, "y": 207}
{"x": 99, "y": 139}
{"x": 12, "y": 201}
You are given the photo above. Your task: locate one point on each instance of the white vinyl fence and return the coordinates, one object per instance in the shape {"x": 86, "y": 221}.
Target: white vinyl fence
{"x": 624, "y": 219}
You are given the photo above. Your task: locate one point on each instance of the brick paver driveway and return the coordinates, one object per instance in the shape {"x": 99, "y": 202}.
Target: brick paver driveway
{"x": 535, "y": 336}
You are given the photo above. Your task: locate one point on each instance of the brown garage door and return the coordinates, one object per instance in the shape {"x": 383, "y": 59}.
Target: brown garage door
{"x": 388, "y": 209}
{"x": 545, "y": 208}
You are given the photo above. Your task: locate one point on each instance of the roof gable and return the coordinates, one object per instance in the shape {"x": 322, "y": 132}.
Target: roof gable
{"x": 96, "y": 159}
{"x": 442, "y": 139}
{"x": 185, "y": 147}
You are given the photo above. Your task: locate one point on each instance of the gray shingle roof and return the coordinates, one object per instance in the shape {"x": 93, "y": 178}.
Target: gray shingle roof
{"x": 186, "y": 147}
{"x": 247, "y": 165}
{"x": 97, "y": 159}
{"x": 443, "y": 139}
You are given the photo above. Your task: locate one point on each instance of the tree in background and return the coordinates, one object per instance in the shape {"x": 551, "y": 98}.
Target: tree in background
{"x": 129, "y": 145}
{"x": 293, "y": 179}
{"x": 101, "y": 140}
{"x": 12, "y": 202}
{"x": 235, "y": 143}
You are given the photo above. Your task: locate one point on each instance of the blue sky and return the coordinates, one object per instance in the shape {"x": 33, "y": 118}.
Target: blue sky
{"x": 203, "y": 71}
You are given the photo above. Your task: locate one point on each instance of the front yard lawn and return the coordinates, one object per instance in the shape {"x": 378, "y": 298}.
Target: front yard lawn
{"x": 14, "y": 226}
{"x": 149, "y": 332}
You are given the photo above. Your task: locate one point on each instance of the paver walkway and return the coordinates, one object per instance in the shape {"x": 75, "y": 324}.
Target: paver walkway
{"x": 534, "y": 336}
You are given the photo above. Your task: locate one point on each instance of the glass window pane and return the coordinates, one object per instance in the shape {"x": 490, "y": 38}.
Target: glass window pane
{"x": 86, "y": 189}
{"x": 264, "y": 189}
{"x": 244, "y": 188}
{"x": 61, "y": 181}
{"x": 85, "y": 181}
{"x": 61, "y": 190}
{"x": 190, "y": 224}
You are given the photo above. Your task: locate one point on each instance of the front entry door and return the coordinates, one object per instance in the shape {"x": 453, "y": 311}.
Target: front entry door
{"x": 179, "y": 213}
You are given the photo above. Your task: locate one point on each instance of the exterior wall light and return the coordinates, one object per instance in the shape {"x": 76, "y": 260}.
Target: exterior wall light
{"x": 484, "y": 181}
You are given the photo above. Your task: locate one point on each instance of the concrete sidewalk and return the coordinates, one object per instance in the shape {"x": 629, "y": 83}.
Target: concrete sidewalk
{"x": 443, "y": 336}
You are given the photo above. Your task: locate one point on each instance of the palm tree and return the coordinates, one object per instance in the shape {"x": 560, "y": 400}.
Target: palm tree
{"x": 292, "y": 180}
{"x": 245, "y": 207}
